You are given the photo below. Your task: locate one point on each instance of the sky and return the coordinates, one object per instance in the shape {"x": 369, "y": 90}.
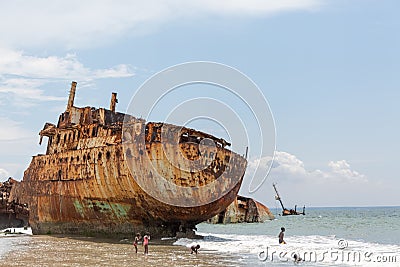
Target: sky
{"x": 329, "y": 70}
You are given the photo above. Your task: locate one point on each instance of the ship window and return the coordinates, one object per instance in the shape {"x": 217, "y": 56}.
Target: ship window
{"x": 58, "y": 138}
{"x": 88, "y": 157}
{"x": 72, "y": 159}
{"x": 99, "y": 156}
{"x": 77, "y": 158}
{"x": 84, "y": 157}
{"x": 65, "y": 137}
{"x": 108, "y": 155}
{"x": 184, "y": 138}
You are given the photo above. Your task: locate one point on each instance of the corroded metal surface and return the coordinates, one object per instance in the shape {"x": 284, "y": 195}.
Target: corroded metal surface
{"x": 12, "y": 213}
{"x": 241, "y": 210}
{"x": 87, "y": 182}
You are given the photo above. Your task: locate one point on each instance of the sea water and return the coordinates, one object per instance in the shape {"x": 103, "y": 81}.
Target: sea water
{"x": 367, "y": 236}
{"x": 323, "y": 237}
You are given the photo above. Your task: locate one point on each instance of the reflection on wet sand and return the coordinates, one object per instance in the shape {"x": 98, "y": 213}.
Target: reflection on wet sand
{"x": 67, "y": 251}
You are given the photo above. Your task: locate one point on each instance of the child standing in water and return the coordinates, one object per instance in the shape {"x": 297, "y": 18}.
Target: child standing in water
{"x": 146, "y": 239}
{"x": 136, "y": 241}
{"x": 281, "y": 235}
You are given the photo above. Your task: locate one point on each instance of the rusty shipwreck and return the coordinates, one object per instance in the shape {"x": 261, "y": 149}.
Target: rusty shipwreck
{"x": 285, "y": 211}
{"x": 90, "y": 180}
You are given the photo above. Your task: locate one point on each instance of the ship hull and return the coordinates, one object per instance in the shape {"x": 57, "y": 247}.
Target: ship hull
{"x": 109, "y": 173}
{"x": 92, "y": 191}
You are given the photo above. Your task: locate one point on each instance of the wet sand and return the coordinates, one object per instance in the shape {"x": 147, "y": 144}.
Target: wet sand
{"x": 84, "y": 251}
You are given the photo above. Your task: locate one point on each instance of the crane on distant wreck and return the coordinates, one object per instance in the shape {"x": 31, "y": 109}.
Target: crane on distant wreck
{"x": 286, "y": 212}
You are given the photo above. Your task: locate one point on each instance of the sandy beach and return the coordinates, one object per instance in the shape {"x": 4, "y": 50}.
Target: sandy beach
{"x": 85, "y": 251}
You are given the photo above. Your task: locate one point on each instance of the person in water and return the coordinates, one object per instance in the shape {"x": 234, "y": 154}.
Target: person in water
{"x": 136, "y": 241}
{"x": 281, "y": 235}
{"x": 145, "y": 243}
{"x": 297, "y": 258}
{"x": 194, "y": 249}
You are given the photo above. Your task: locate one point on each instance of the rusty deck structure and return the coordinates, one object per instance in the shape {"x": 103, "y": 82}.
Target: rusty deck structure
{"x": 12, "y": 214}
{"x": 87, "y": 182}
{"x": 243, "y": 210}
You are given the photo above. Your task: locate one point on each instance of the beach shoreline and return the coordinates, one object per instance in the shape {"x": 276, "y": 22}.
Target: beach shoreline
{"x": 371, "y": 232}
{"x": 43, "y": 250}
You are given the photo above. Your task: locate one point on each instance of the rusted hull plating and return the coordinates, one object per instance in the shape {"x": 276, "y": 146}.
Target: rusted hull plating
{"x": 242, "y": 210}
{"x": 102, "y": 196}
{"x": 87, "y": 183}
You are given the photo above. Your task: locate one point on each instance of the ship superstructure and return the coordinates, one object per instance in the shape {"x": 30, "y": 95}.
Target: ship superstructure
{"x": 87, "y": 182}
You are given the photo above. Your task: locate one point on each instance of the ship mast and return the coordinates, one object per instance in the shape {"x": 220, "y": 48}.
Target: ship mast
{"x": 277, "y": 197}
{"x": 71, "y": 96}
{"x": 113, "y": 102}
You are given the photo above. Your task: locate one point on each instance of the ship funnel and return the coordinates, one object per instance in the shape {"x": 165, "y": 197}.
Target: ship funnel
{"x": 71, "y": 96}
{"x": 113, "y": 102}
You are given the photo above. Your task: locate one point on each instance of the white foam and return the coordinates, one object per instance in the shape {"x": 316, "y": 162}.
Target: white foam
{"x": 302, "y": 245}
{"x": 16, "y": 231}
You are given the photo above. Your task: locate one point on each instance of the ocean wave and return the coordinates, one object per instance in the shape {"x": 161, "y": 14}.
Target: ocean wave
{"x": 317, "y": 246}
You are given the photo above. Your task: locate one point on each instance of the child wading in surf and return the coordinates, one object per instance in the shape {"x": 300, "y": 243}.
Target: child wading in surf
{"x": 281, "y": 235}
{"x": 146, "y": 239}
{"x": 136, "y": 241}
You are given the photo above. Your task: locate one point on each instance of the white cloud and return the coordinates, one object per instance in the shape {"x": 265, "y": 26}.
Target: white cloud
{"x": 289, "y": 168}
{"x": 75, "y": 23}
{"x": 12, "y": 130}
{"x": 22, "y": 76}
{"x": 117, "y": 71}
{"x": 342, "y": 169}
{"x": 335, "y": 184}
{"x": 255, "y": 7}
{"x": 4, "y": 174}
{"x": 68, "y": 67}
{"x": 23, "y": 88}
